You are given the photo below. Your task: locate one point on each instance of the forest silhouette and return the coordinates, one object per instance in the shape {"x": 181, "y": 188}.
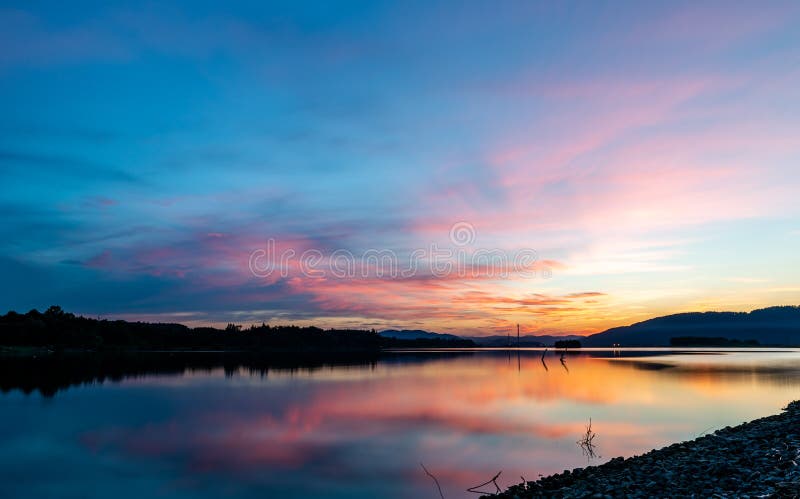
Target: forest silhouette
{"x": 58, "y": 330}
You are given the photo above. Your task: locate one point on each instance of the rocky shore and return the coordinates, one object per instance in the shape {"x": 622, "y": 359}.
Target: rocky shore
{"x": 755, "y": 459}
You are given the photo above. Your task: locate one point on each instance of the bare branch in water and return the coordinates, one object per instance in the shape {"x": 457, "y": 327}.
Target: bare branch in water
{"x": 493, "y": 480}
{"x": 586, "y": 442}
{"x": 434, "y": 479}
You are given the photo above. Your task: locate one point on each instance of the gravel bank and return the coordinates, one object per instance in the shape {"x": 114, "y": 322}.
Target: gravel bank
{"x": 755, "y": 459}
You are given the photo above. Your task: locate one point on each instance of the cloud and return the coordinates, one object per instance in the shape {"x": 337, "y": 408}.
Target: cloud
{"x": 68, "y": 168}
{"x": 27, "y": 40}
{"x": 623, "y": 150}
{"x": 747, "y": 280}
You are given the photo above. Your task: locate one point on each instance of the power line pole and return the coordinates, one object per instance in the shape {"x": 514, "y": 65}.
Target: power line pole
{"x": 517, "y": 335}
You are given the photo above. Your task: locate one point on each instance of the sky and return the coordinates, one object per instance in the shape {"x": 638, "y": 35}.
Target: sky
{"x": 460, "y": 167}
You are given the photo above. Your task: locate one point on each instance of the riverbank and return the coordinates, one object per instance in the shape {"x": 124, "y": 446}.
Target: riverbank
{"x": 755, "y": 459}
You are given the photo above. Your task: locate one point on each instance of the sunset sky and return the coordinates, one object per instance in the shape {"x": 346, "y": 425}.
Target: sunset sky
{"x": 649, "y": 153}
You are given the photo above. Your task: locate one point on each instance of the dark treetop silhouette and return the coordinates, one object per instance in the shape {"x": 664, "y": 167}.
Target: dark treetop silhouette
{"x": 59, "y": 330}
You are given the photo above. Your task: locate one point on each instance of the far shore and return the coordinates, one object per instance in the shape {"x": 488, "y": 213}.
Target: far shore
{"x": 755, "y": 459}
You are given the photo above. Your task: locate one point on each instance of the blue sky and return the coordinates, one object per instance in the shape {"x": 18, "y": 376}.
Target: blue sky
{"x": 647, "y": 153}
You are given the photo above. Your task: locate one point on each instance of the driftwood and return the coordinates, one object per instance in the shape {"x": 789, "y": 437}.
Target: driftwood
{"x": 586, "y": 443}
{"x": 493, "y": 480}
{"x": 434, "y": 479}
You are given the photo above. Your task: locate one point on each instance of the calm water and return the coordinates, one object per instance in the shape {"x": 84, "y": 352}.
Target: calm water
{"x": 204, "y": 429}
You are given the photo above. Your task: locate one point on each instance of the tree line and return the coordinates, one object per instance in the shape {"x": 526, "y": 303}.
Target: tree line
{"x": 59, "y": 330}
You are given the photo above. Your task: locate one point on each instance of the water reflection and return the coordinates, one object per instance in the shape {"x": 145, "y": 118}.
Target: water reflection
{"x": 223, "y": 425}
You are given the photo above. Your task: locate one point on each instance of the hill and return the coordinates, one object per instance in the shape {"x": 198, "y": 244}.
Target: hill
{"x": 524, "y": 341}
{"x": 417, "y": 334}
{"x": 773, "y": 326}
{"x": 498, "y": 341}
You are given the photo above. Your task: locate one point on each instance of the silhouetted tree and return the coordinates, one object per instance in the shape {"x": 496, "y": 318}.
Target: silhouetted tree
{"x": 58, "y": 330}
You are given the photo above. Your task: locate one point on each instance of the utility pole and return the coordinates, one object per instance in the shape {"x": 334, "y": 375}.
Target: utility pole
{"x": 517, "y": 335}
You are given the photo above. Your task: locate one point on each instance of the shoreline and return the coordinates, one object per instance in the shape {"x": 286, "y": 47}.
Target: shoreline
{"x": 759, "y": 458}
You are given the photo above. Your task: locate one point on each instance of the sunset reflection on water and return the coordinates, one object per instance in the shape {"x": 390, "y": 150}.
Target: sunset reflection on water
{"x": 363, "y": 430}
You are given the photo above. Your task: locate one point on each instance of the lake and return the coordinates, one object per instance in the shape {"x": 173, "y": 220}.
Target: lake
{"x": 212, "y": 425}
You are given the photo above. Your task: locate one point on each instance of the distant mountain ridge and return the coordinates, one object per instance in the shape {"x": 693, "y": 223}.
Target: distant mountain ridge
{"x": 417, "y": 334}
{"x": 483, "y": 341}
{"x": 772, "y": 326}
{"x": 529, "y": 340}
